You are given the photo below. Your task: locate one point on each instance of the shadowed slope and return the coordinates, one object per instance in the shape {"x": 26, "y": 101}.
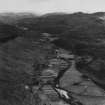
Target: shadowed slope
{"x": 16, "y": 67}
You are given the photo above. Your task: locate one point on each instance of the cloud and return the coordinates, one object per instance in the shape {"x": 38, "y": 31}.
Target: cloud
{"x": 39, "y": 1}
{"x": 46, "y": 6}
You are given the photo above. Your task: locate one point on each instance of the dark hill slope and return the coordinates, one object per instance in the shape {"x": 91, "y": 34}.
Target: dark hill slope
{"x": 9, "y": 32}
{"x": 17, "y": 58}
{"x": 59, "y": 23}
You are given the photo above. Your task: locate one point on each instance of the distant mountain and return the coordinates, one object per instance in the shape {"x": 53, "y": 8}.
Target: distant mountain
{"x": 99, "y": 13}
{"x": 55, "y": 13}
{"x": 58, "y": 23}
{"x": 11, "y": 18}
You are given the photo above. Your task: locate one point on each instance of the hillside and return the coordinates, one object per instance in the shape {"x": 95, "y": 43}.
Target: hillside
{"x": 19, "y": 60}
{"x": 29, "y": 41}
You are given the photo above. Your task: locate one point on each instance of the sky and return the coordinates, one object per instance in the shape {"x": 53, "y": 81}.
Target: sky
{"x": 49, "y": 6}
